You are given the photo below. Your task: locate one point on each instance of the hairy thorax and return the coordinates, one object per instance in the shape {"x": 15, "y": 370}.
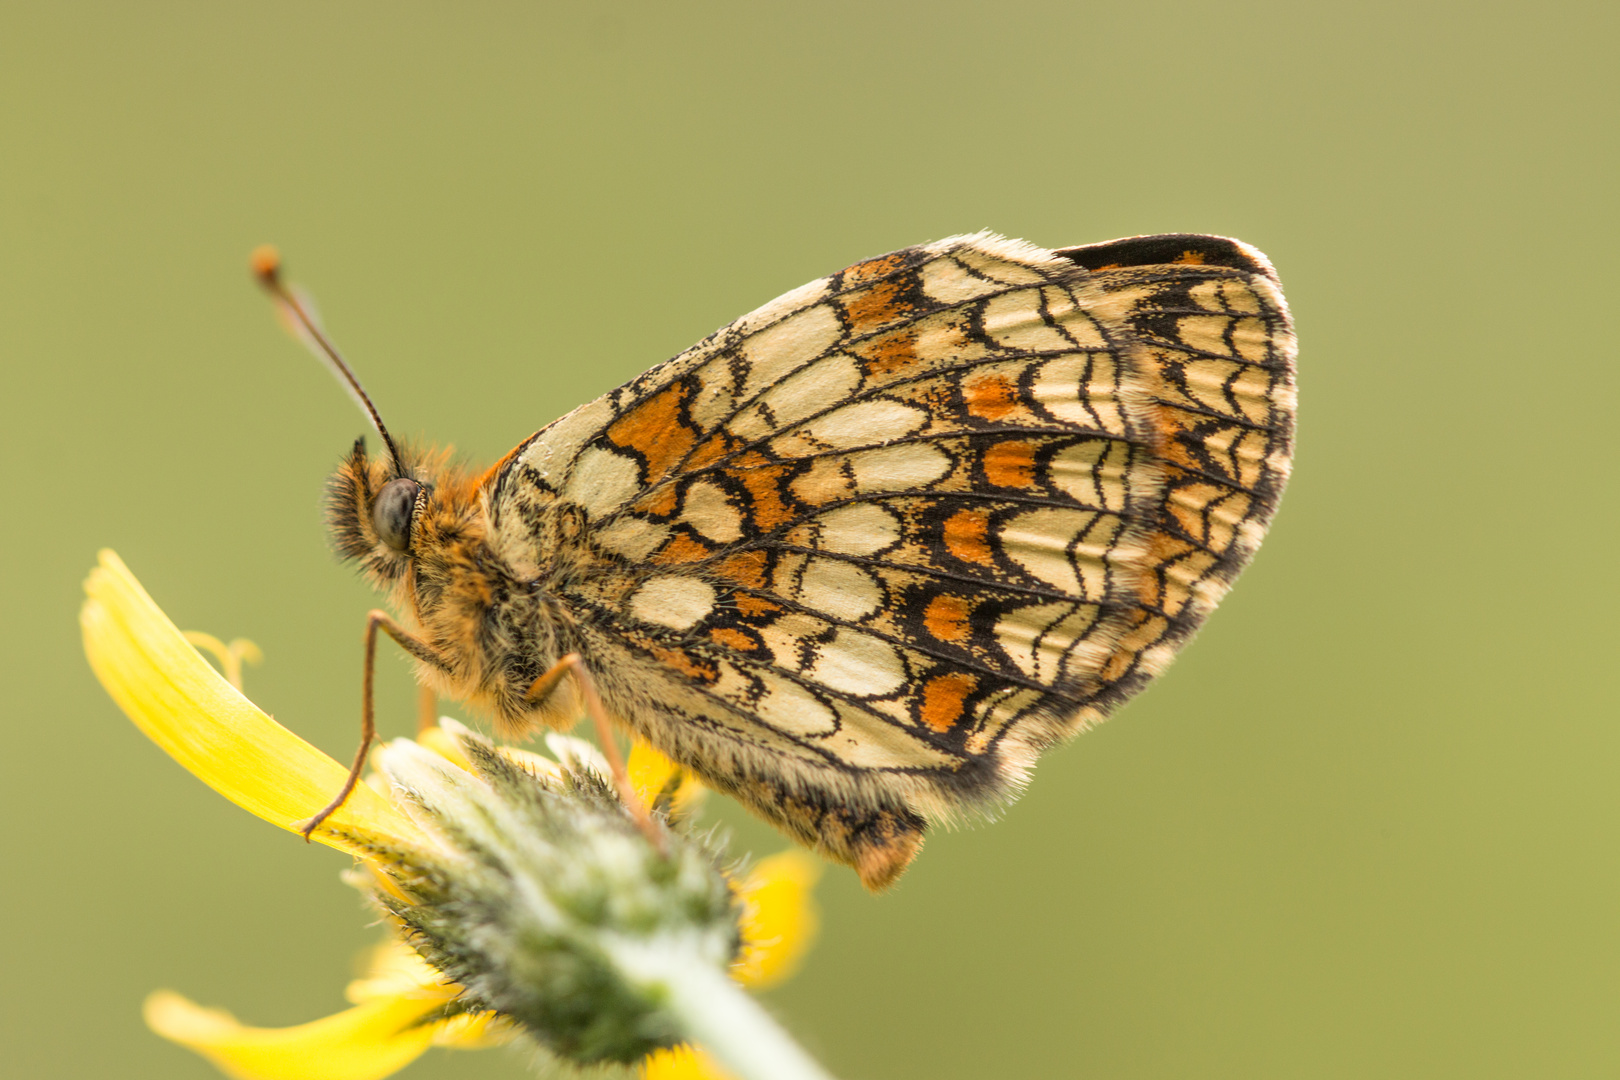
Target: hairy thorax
{"x": 490, "y": 621}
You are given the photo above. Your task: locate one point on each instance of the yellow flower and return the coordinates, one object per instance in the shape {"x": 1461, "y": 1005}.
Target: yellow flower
{"x": 403, "y": 1005}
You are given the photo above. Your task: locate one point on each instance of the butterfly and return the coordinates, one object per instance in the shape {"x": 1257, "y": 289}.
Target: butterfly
{"x": 859, "y": 557}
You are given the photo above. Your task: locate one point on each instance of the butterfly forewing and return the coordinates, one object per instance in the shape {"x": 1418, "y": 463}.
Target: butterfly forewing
{"x": 860, "y": 555}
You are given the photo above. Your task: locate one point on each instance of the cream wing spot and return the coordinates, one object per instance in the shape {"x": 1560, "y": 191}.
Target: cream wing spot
{"x": 860, "y": 424}
{"x": 673, "y": 601}
{"x": 1001, "y": 259}
{"x": 857, "y": 663}
{"x": 789, "y": 707}
{"x": 709, "y": 510}
{"x": 1206, "y": 382}
{"x": 1252, "y": 340}
{"x": 1207, "y": 295}
{"x": 1240, "y": 298}
{"x": 866, "y": 742}
{"x": 1041, "y": 542}
{"x": 1023, "y": 635}
{"x": 1093, "y": 472}
{"x": 602, "y": 481}
{"x": 553, "y": 455}
{"x": 1014, "y": 321}
{"x": 858, "y": 529}
{"x": 1081, "y": 330}
{"x": 1251, "y": 389}
{"x": 788, "y": 345}
{"x": 950, "y": 282}
{"x": 807, "y": 392}
{"x": 826, "y": 480}
{"x": 1082, "y": 389}
{"x": 715, "y": 397}
{"x": 897, "y": 468}
{"x": 785, "y": 637}
{"x": 842, "y": 590}
{"x": 1206, "y": 333}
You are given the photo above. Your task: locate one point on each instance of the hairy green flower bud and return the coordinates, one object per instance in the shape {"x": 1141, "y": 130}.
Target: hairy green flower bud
{"x": 543, "y": 899}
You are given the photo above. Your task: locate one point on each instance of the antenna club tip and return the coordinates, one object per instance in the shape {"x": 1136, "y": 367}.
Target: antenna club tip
{"x": 266, "y": 262}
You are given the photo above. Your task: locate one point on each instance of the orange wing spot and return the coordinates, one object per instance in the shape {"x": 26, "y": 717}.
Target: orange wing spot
{"x": 965, "y": 537}
{"x": 655, "y": 430}
{"x": 947, "y": 618}
{"x": 862, "y": 272}
{"x": 890, "y": 353}
{"x": 991, "y": 397}
{"x": 681, "y": 548}
{"x": 882, "y": 303}
{"x": 733, "y": 639}
{"x": 660, "y": 503}
{"x": 943, "y": 698}
{"x": 1162, "y": 550}
{"x": 1107, "y": 266}
{"x": 746, "y": 569}
{"x": 754, "y": 606}
{"x": 1010, "y": 464}
{"x": 710, "y": 450}
{"x": 1166, "y": 426}
{"x": 685, "y": 663}
{"x": 763, "y": 482}
{"x": 1190, "y": 258}
{"x": 1148, "y": 630}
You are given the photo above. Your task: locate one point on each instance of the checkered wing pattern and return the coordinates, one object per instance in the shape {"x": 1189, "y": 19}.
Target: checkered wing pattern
{"x": 859, "y": 556}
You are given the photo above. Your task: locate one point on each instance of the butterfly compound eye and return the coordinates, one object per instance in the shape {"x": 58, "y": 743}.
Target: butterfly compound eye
{"x": 391, "y": 513}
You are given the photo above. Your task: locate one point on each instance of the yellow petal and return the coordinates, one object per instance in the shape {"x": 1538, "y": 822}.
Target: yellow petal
{"x": 651, "y": 773}
{"x": 683, "y": 1062}
{"x": 201, "y": 721}
{"x": 367, "y": 1042}
{"x": 439, "y": 741}
{"x": 473, "y": 1031}
{"x": 779, "y": 918}
{"x": 393, "y": 969}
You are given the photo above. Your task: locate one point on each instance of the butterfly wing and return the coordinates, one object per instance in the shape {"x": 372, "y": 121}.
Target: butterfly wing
{"x": 860, "y": 556}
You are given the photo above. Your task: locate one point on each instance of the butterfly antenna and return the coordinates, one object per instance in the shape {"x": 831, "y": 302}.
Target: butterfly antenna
{"x": 297, "y": 313}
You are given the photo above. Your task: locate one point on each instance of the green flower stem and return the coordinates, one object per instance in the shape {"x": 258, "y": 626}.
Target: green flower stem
{"x": 715, "y": 1012}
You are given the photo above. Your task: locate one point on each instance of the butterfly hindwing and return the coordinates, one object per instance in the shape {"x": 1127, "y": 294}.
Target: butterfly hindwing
{"x": 858, "y": 557}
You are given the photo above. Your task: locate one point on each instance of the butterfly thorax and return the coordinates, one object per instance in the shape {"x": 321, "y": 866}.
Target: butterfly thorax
{"x": 493, "y": 628}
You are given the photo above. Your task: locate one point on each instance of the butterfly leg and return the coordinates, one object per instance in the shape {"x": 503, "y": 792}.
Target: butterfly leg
{"x": 427, "y": 709}
{"x": 375, "y": 620}
{"x": 542, "y": 688}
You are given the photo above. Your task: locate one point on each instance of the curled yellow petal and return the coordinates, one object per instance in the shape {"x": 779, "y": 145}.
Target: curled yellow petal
{"x": 779, "y": 919}
{"x": 683, "y": 1062}
{"x": 367, "y": 1042}
{"x": 201, "y": 721}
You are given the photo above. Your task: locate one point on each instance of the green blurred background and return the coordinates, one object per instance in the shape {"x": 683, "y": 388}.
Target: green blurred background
{"x": 1367, "y": 826}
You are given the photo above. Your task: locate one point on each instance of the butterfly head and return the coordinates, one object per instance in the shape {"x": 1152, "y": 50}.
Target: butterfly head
{"x": 395, "y": 516}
